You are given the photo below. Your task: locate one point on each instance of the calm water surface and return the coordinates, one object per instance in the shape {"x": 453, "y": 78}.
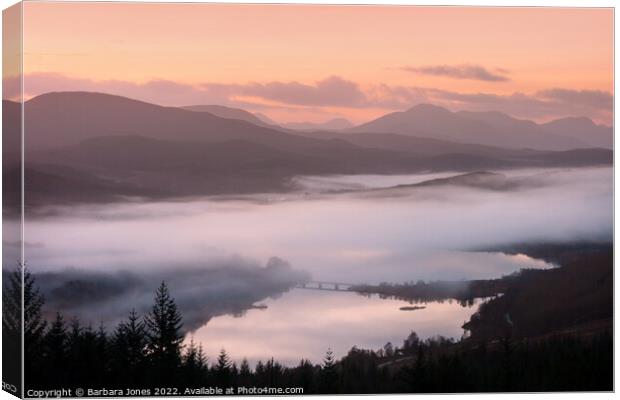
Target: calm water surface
{"x": 305, "y": 323}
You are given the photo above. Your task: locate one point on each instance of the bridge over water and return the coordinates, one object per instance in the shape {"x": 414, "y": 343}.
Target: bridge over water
{"x": 325, "y": 285}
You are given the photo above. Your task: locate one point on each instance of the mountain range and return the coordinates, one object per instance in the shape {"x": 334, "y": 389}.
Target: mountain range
{"x": 332, "y": 124}
{"x": 90, "y": 146}
{"x": 491, "y": 128}
{"x": 428, "y": 121}
{"x": 263, "y": 120}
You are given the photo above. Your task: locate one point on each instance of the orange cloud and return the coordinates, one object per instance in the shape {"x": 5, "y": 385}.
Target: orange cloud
{"x": 317, "y": 61}
{"x": 333, "y": 96}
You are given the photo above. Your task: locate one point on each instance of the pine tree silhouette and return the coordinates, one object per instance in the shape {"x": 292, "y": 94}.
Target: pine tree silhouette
{"x": 76, "y": 351}
{"x": 234, "y": 374}
{"x": 101, "y": 354}
{"x": 329, "y": 374}
{"x": 194, "y": 364}
{"x": 274, "y": 372}
{"x": 34, "y": 325}
{"x": 55, "y": 351}
{"x": 201, "y": 359}
{"x": 259, "y": 373}
{"x": 11, "y": 305}
{"x": 245, "y": 374}
{"x": 222, "y": 369}
{"x": 305, "y": 376}
{"x": 129, "y": 350}
{"x": 163, "y": 326}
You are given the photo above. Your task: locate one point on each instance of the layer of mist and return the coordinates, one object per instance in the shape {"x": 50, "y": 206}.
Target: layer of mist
{"x": 201, "y": 293}
{"x": 111, "y": 257}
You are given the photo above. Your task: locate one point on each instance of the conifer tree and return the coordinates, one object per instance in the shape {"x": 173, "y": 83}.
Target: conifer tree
{"x": 163, "y": 331}
{"x": 129, "y": 349}
{"x": 34, "y": 325}
{"x": 11, "y": 305}
{"x": 234, "y": 374}
{"x": 222, "y": 369}
{"x": 11, "y": 329}
{"x": 101, "y": 354}
{"x": 259, "y": 373}
{"x": 201, "y": 358}
{"x": 245, "y": 374}
{"x": 305, "y": 376}
{"x": 55, "y": 348}
{"x": 76, "y": 350}
{"x": 194, "y": 364}
{"x": 329, "y": 374}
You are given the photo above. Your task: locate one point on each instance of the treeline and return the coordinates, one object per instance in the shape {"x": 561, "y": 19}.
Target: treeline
{"x": 463, "y": 292}
{"x": 535, "y": 301}
{"x": 148, "y": 352}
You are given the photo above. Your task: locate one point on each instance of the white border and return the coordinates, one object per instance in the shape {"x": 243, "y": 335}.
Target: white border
{"x": 486, "y": 3}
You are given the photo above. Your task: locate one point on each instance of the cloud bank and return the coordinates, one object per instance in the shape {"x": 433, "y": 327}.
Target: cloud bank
{"x": 335, "y": 92}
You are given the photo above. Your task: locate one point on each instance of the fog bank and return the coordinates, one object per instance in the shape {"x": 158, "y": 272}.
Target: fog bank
{"x": 359, "y": 237}
{"x": 201, "y": 293}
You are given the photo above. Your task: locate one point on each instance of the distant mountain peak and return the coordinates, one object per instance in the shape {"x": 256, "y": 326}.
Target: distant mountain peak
{"x": 427, "y": 107}
{"x": 490, "y": 128}
{"x": 265, "y": 118}
{"x": 582, "y": 128}
{"x": 338, "y": 123}
{"x": 227, "y": 112}
{"x": 579, "y": 121}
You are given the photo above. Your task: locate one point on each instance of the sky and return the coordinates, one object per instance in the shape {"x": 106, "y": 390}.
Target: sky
{"x": 313, "y": 63}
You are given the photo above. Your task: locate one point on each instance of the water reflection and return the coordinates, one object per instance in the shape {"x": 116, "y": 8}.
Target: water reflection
{"x": 304, "y": 323}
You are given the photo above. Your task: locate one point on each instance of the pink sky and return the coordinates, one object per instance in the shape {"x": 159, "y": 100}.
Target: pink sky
{"x": 300, "y": 62}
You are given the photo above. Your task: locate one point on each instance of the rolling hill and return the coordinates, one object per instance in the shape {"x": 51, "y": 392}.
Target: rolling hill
{"x": 114, "y": 167}
{"x": 91, "y": 146}
{"x": 229, "y": 113}
{"x": 583, "y": 129}
{"x": 62, "y": 119}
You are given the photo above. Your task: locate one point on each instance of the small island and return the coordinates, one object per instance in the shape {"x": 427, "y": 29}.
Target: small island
{"x": 412, "y": 308}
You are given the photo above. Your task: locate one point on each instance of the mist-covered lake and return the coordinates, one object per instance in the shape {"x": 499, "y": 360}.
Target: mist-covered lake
{"x": 353, "y": 229}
